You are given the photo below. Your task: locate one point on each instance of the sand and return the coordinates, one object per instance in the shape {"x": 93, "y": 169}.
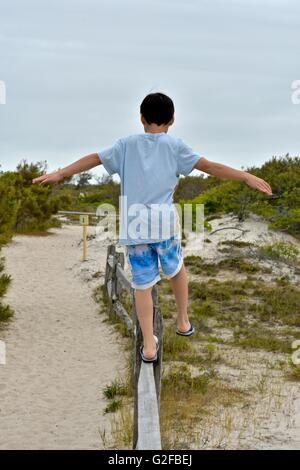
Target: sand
{"x": 60, "y": 352}
{"x": 271, "y": 417}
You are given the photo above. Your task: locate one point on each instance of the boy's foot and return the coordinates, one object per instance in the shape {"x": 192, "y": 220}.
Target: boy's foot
{"x": 185, "y": 330}
{"x": 148, "y": 356}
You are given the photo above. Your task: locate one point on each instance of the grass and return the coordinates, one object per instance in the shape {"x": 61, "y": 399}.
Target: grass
{"x": 5, "y": 311}
{"x": 279, "y": 251}
{"x": 187, "y": 401}
{"x": 113, "y": 406}
{"x": 175, "y": 346}
{"x": 230, "y": 302}
{"x": 260, "y": 316}
{"x": 197, "y": 265}
{"x": 293, "y": 373}
{"x": 179, "y": 380}
{"x": 236, "y": 243}
{"x": 116, "y": 388}
{"x": 280, "y": 303}
{"x": 260, "y": 338}
{"x": 121, "y": 426}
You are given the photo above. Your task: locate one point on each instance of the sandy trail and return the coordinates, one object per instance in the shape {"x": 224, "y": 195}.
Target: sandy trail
{"x": 60, "y": 353}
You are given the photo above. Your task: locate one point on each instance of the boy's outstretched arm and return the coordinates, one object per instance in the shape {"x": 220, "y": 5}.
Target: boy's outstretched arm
{"x": 83, "y": 164}
{"x": 226, "y": 172}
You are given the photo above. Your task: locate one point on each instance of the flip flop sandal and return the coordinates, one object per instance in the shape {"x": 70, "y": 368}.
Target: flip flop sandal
{"x": 189, "y": 332}
{"x": 154, "y": 358}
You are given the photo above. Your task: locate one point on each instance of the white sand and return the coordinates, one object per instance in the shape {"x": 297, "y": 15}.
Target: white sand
{"x": 60, "y": 353}
{"x": 271, "y": 419}
{"x": 254, "y": 230}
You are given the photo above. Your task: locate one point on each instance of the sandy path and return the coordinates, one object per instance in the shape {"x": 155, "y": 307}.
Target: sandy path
{"x": 60, "y": 353}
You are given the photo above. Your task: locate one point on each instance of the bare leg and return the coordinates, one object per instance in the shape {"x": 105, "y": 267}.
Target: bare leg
{"x": 179, "y": 285}
{"x": 144, "y": 310}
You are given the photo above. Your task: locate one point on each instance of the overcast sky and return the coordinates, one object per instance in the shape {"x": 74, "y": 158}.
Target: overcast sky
{"x": 76, "y": 71}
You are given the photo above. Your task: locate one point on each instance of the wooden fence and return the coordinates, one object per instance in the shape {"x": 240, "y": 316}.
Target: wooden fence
{"x": 146, "y": 378}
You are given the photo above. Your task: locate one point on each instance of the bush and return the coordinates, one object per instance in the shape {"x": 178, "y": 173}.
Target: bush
{"x": 280, "y": 250}
{"x": 5, "y": 311}
{"x": 25, "y": 207}
{"x": 8, "y": 205}
{"x": 281, "y": 209}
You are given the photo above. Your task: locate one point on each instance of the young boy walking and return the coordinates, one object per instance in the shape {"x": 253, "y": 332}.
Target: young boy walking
{"x": 149, "y": 165}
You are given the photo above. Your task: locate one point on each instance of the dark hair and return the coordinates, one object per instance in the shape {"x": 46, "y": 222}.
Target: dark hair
{"x": 157, "y": 108}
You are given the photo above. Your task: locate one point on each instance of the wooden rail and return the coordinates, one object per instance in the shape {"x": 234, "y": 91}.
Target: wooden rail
{"x": 76, "y": 213}
{"x": 146, "y": 378}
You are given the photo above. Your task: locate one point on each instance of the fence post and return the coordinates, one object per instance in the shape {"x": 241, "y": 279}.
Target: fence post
{"x": 119, "y": 259}
{"x": 111, "y": 249}
{"x": 158, "y": 331}
{"x": 144, "y": 379}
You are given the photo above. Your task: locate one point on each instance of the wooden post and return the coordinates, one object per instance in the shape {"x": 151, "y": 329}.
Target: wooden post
{"x": 84, "y": 242}
{"x": 119, "y": 260}
{"x": 158, "y": 331}
{"x": 145, "y": 378}
{"x": 109, "y": 271}
{"x": 84, "y": 220}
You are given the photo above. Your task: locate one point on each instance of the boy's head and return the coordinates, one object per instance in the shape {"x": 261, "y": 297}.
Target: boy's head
{"x": 157, "y": 109}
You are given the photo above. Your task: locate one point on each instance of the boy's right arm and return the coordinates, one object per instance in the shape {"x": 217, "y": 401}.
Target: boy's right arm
{"x": 83, "y": 164}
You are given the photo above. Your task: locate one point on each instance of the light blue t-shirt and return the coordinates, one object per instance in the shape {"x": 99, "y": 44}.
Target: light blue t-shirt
{"x": 149, "y": 166}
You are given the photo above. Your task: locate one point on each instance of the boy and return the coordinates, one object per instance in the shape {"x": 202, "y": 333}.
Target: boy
{"x": 149, "y": 165}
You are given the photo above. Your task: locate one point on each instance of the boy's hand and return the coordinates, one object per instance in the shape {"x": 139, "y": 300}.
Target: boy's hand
{"x": 258, "y": 183}
{"x": 54, "y": 177}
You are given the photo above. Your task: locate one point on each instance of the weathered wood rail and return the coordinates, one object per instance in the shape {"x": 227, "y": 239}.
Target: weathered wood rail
{"x": 146, "y": 378}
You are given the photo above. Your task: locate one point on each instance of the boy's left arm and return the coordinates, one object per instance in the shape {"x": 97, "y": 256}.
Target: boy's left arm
{"x": 226, "y": 172}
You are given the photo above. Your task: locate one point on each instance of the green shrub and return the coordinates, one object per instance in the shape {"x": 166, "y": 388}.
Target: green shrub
{"x": 25, "y": 207}
{"x": 5, "y": 311}
{"x": 280, "y": 250}
{"x": 113, "y": 406}
{"x": 8, "y": 205}
{"x": 281, "y": 210}
{"x": 179, "y": 378}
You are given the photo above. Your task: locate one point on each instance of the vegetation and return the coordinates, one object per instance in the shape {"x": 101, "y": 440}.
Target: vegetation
{"x": 5, "y": 310}
{"x": 25, "y": 207}
{"x": 280, "y": 250}
{"x": 84, "y": 196}
{"x": 235, "y": 308}
{"x": 232, "y": 303}
{"x": 282, "y": 210}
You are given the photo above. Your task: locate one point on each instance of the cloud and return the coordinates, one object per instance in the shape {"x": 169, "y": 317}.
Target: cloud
{"x": 76, "y": 71}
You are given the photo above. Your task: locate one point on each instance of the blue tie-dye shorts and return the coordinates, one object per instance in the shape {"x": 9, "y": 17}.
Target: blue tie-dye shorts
{"x": 143, "y": 261}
